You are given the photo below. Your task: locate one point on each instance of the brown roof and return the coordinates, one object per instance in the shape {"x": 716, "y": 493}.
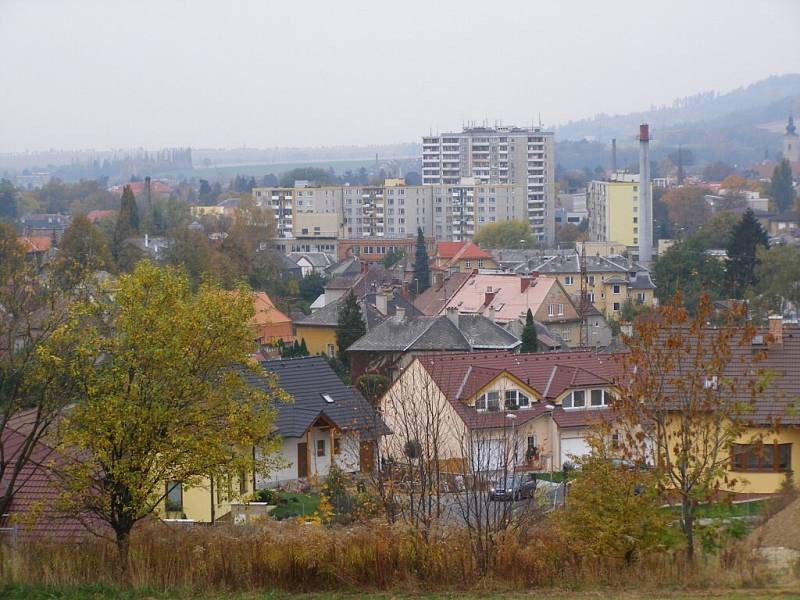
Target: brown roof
{"x": 433, "y": 300}
{"x": 460, "y": 376}
{"x": 460, "y": 250}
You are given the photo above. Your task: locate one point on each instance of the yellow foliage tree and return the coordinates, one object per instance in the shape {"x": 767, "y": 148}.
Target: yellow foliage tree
{"x": 162, "y": 396}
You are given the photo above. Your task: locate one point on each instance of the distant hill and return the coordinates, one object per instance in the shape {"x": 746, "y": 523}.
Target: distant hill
{"x": 740, "y": 127}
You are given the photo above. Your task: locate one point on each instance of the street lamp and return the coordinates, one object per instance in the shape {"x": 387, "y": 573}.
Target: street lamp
{"x": 513, "y": 418}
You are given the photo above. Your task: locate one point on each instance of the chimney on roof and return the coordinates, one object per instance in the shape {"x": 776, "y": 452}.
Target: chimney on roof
{"x": 364, "y": 266}
{"x": 400, "y": 312}
{"x": 381, "y": 303}
{"x": 776, "y": 329}
{"x": 488, "y": 296}
{"x": 452, "y": 314}
{"x": 492, "y": 314}
{"x": 524, "y": 284}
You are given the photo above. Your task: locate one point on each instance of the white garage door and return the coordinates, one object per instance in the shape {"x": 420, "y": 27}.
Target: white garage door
{"x": 488, "y": 455}
{"x": 573, "y": 447}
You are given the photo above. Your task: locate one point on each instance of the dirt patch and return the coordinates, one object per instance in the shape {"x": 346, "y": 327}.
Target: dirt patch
{"x": 782, "y": 530}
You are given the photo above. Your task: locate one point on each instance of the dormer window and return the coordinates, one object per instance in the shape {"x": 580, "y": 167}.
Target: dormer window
{"x": 488, "y": 401}
{"x": 516, "y": 399}
{"x": 577, "y": 399}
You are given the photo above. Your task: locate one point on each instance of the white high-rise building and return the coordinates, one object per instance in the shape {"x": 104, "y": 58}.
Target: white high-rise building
{"x": 499, "y": 155}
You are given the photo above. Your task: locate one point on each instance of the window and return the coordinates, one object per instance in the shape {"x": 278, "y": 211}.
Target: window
{"x": 328, "y": 398}
{"x": 711, "y": 383}
{"x": 173, "y": 502}
{"x": 616, "y": 306}
{"x": 761, "y": 457}
{"x": 330, "y": 350}
{"x": 468, "y": 263}
{"x": 532, "y": 445}
{"x": 337, "y": 445}
{"x": 590, "y": 296}
{"x": 616, "y": 288}
{"x": 598, "y": 398}
{"x": 560, "y": 310}
{"x": 569, "y": 280}
{"x": 488, "y": 401}
{"x": 591, "y": 279}
{"x": 320, "y": 447}
{"x": 480, "y": 263}
{"x": 576, "y": 399}
{"x": 515, "y": 398}
{"x": 640, "y": 297}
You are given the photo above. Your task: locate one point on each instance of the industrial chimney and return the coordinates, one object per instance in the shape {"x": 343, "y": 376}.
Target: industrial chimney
{"x": 614, "y": 156}
{"x": 645, "y": 201}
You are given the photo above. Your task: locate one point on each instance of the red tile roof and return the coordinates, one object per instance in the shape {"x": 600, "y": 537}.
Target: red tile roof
{"x": 460, "y": 250}
{"x": 37, "y": 243}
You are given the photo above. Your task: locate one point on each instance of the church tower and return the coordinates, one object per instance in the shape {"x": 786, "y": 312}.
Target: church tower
{"x": 791, "y": 144}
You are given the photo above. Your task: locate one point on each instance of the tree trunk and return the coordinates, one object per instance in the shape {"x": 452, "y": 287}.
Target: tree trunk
{"x": 123, "y": 547}
{"x": 687, "y": 517}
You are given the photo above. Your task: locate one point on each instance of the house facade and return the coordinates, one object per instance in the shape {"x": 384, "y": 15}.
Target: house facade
{"x": 464, "y": 257}
{"x": 535, "y": 410}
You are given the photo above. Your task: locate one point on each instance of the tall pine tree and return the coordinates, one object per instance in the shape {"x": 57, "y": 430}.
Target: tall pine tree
{"x": 530, "y": 341}
{"x": 422, "y": 270}
{"x": 350, "y": 327}
{"x": 746, "y": 236}
{"x": 127, "y": 220}
{"x": 781, "y": 187}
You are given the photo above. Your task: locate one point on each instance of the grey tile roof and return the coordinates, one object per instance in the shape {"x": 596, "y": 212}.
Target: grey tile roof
{"x": 419, "y": 333}
{"x": 328, "y": 315}
{"x": 545, "y": 336}
{"x": 306, "y": 379}
{"x": 317, "y": 259}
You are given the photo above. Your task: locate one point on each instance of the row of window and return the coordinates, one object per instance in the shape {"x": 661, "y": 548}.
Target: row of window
{"x": 577, "y": 399}
{"x": 491, "y": 401}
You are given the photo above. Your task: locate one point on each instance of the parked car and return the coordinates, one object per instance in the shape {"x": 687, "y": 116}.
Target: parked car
{"x": 514, "y": 487}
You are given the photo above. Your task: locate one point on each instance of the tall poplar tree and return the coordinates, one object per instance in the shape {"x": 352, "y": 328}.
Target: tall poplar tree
{"x": 127, "y": 220}
{"x": 350, "y": 327}
{"x": 530, "y": 341}
{"x": 422, "y": 270}
{"x": 781, "y": 187}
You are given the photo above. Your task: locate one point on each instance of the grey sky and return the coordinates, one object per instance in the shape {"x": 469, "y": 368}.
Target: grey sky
{"x": 153, "y": 73}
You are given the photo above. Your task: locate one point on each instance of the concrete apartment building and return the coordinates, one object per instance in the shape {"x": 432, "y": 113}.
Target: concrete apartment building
{"x": 452, "y": 212}
{"x": 498, "y": 155}
{"x": 613, "y": 208}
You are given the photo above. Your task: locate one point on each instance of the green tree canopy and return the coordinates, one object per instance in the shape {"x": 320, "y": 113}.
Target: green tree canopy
{"x": 778, "y": 275}
{"x": 745, "y": 239}
{"x": 530, "y": 341}
{"x": 157, "y": 400}
{"x": 350, "y": 326}
{"x": 716, "y": 233}
{"x": 311, "y": 286}
{"x": 687, "y": 267}
{"x": 82, "y": 252}
{"x": 781, "y": 188}
{"x": 516, "y": 233}
{"x": 422, "y": 268}
{"x": 8, "y": 200}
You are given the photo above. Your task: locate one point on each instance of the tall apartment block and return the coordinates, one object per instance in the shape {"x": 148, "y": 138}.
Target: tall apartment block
{"x": 613, "y": 208}
{"x": 499, "y": 155}
{"x": 452, "y": 212}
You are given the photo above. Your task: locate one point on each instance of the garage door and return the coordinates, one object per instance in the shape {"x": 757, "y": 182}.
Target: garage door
{"x": 571, "y": 447}
{"x": 488, "y": 455}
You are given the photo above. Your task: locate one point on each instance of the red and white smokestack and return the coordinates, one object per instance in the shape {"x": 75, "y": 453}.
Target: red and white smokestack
{"x": 645, "y": 200}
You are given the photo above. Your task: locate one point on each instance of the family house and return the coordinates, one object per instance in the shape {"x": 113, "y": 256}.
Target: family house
{"x": 327, "y": 423}
{"x": 453, "y": 257}
{"x": 541, "y": 405}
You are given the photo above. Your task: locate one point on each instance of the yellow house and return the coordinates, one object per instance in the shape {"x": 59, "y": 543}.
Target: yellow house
{"x": 319, "y": 328}
{"x": 462, "y": 256}
{"x": 611, "y": 280}
{"x": 207, "y": 502}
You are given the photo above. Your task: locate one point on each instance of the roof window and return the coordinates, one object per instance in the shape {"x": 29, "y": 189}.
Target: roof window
{"x": 328, "y": 398}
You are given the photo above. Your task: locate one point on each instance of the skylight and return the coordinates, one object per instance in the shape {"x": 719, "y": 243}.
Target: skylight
{"x": 328, "y": 398}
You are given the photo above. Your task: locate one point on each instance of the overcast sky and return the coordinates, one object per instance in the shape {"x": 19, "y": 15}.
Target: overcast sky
{"x": 221, "y": 73}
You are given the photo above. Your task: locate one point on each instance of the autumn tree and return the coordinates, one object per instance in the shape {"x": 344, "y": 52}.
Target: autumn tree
{"x": 781, "y": 188}
{"x": 31, "y": 395}
{"x": 8, "y": 200}
{"x": 686, "y": 208}
{"x": 350, "y": 326}
{"x": 252, "y": 229}
{"x": 161, "y": 396}
{"x": 372, "y": 386}
{"x": 82, "y": 252}
{"x": 530, "y": 341}
{"x": 746, "y": 237}
{"x": 613, "y": 512}
{"x": 514, "y": 233}
{"x": 685, "y": 396}
{"x": 716, "y": 232}
{"x": 422, "y": 270}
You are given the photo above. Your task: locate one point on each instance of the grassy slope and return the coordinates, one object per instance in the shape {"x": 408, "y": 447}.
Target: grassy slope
{"x": 103, "y": 593}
